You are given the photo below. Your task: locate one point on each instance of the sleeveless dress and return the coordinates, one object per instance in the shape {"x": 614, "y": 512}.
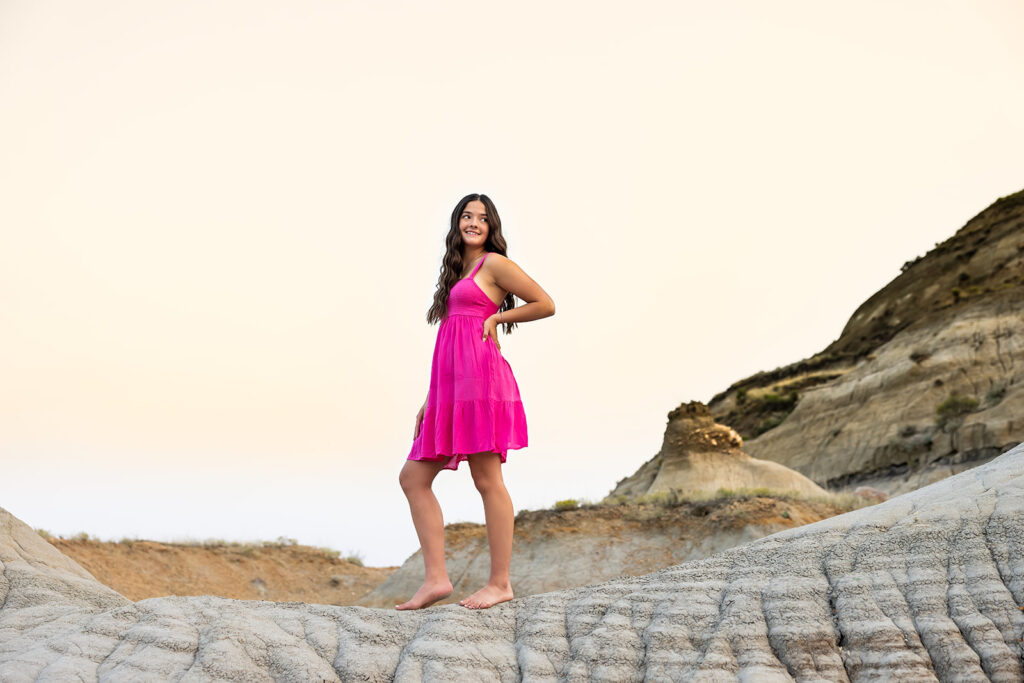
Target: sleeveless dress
{"x": 473, "y": 403}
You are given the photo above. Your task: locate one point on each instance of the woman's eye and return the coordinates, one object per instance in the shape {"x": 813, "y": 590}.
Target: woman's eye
{"x": 484, "y": 220}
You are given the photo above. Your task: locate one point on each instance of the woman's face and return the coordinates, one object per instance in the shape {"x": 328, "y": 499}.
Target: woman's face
{"x": 473, "y": 224}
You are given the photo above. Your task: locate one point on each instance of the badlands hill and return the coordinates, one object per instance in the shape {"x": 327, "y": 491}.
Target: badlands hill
{"x": 926, "y": 586}
{"x": 926, "y": 379}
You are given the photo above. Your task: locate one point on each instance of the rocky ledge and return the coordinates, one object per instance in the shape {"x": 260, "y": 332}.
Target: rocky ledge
{"x": 925, "y": 586}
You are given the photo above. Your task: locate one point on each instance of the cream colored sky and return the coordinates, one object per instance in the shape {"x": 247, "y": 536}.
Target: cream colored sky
{"x": 222, "y": 224}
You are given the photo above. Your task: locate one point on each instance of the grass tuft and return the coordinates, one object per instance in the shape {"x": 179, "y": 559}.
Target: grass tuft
{"x": 951, "y": 411}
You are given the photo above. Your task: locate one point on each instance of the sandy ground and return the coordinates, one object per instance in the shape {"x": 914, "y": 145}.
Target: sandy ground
{"x": 282, "y": 573}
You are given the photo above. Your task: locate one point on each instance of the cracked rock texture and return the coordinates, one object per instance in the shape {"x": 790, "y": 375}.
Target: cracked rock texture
{"x": 950, "y": 326}
{"x": 925, "y": 586}
{"x": 699, "y": 455}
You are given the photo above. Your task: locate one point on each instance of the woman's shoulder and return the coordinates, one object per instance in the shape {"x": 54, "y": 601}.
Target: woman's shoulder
{"x": 496, "y": 259}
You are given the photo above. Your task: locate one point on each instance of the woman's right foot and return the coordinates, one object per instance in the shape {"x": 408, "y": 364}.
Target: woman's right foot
{"x": 427, "y": 595}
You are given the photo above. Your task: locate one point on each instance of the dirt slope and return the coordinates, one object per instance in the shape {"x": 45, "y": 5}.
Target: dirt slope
{"x": 282, "y": 573}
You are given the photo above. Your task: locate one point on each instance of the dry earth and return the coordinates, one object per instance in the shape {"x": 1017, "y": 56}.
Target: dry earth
{"x": 280, "y": 572}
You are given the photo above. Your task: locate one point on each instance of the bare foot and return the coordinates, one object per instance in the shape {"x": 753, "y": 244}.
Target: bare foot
{"x": 488, "y": 596}
{"x": 427, "y": 595}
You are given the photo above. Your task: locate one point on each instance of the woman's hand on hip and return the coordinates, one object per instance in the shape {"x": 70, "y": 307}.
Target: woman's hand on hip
{"x": 419, "y": 421}
{"x": 491, "y": 330}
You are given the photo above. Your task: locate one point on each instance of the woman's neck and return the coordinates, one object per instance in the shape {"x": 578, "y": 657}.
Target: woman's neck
{"x": 470, "y": 255}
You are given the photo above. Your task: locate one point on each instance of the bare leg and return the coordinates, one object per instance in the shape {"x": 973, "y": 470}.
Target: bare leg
{"x": 416, "y": 478}
{"x": 486, "y": 469}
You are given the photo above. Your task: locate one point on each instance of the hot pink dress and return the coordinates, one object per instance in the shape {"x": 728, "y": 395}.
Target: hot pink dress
{"x": 473, "y": 404}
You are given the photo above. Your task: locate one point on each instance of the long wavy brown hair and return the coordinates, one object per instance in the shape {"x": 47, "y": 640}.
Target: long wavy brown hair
{"x": 452, "y": 263}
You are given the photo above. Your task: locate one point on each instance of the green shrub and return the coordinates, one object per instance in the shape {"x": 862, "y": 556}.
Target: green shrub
{"x": 45, "y": 534}
{"x": 82, "y": 536}
{"x": 355, "y": 558}
{"x": 772, "y": 402}
{"x": 567, "y": 504}
{"x": 953, "y": 408}
{"x": 768, "y": 423}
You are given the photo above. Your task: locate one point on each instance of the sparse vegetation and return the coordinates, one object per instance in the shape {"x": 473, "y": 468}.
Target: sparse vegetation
{"x": 283, "y": 542}
{"x": 951, "y": 411}
{"x": 768, "y": 423}
{"x": 907, "y": 265}
{"x": 567, "y": 504}
{"x": 996, "y": 393}
{"x": 756, "y": 413}
{"x": 44, "y": 533}
{"x": 920, "y": 355}
{"x": 676, "y": 497}
{"x": 244, "y": 548}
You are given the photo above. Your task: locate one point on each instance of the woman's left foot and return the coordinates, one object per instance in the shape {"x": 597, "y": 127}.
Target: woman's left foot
{"x": 488, "y": 596}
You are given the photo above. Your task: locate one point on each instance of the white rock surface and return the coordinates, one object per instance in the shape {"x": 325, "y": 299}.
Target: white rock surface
{"x": 925, "y": 586}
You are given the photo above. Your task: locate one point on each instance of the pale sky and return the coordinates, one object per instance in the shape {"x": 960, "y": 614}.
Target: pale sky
{"x": 221, "y": 227}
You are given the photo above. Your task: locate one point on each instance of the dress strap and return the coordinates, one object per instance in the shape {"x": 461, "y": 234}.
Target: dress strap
{"x": 479, "y": 264}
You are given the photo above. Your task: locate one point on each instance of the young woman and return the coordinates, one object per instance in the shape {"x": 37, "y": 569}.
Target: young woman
{"x": 473, "y": 411}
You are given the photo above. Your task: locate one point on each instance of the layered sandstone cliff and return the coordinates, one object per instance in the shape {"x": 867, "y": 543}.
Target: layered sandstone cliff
{"x": 926, "y": 379}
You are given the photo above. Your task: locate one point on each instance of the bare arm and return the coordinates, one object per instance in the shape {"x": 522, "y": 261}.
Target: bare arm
{"x": 510, "y": 277}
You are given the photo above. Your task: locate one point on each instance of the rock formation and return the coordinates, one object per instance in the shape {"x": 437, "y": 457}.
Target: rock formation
{"x": 698, "y": 455}
{"x": 925, "y": 586}
{"x": 927, "y": 378}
